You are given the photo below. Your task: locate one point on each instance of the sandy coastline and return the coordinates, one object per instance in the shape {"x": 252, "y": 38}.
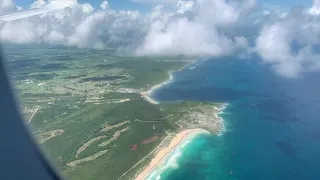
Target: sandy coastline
{"x": 179, "y": 138}
{"x": 163, "y": 153}
{"x": 147, "y": 94}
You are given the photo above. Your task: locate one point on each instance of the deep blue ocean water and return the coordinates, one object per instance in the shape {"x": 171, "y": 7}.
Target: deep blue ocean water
{"x": 272, "y": 123}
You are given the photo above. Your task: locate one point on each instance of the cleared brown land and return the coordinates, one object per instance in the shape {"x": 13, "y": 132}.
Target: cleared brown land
{"x": 45, "y": 136}
{"x": 108, "y": 128}
{"x": 87, "y": 144}
{"x": 150, "y": 140}
{"x": 86, "y": 159}
{"x": 115, "y": 136}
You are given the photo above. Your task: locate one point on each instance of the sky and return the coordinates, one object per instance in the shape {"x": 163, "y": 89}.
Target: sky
{"x": 287, "y": 3}
{"x": 146, "y": 7}
{"x": 116, "y": 4}
{"x": 285, "y": 36}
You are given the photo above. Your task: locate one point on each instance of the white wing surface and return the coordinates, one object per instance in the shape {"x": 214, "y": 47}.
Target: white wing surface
{"x": 53, "y": 6}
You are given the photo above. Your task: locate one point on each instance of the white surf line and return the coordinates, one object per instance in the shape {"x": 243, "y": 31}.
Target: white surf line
{"x": 144, "y": 157}
{"x": 33, "y": 115}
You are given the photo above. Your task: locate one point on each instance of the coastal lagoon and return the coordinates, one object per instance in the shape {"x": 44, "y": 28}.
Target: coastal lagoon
{"x": 272, "y": 126}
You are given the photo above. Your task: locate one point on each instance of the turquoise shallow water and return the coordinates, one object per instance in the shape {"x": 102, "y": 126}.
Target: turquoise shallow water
{"x": 172, "y": 161}
{"x": 198, "y": 157}
{"x": 272, "y": 123}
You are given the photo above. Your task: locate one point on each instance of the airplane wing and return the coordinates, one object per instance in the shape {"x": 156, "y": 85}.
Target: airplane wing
{"x": 53, "y": 6}
{"x": 20, "y": 156}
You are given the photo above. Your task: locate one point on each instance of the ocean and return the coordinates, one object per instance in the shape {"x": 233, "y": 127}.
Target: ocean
{"x": 272, "y": 124}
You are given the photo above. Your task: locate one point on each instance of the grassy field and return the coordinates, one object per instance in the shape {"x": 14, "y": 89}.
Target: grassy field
{"x": 77, "y": 93}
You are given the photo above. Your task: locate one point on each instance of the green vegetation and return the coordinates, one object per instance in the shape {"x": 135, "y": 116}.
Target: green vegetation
{"x": 76, "y": 93}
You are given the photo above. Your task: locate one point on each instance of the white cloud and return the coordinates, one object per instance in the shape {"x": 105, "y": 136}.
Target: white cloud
{"x": 36, "y": 8}
{"x": 194, "y": 29}
{"x": 315, "y": 9}
{"x": 54, "y": 37}
{"x": 288, "y": 43}
{"x": 241, "y": 42}
{"x": 80, "y": 26}
{"x": 87, "y": 32}
{"x": 183, "y": 37}
{"x": 184, "y": 6}
{"x": 88, "y": 9}
{"x": 155, "y": 1}
{"x": 273, "y": 45}
{"x": 104, "y": 5}
{"x": 21, "y": 33}
{"x": 189, "y": 27}
{"x": 7, "y": 6}
{"x": 38, "y": 4}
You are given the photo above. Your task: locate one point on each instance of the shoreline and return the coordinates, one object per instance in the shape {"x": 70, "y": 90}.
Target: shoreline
{"x": 147, "y": 94}
{"x": 181, "y": 138}
{"x": 221, "y": 110}
{"x": 163, "y": 154}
